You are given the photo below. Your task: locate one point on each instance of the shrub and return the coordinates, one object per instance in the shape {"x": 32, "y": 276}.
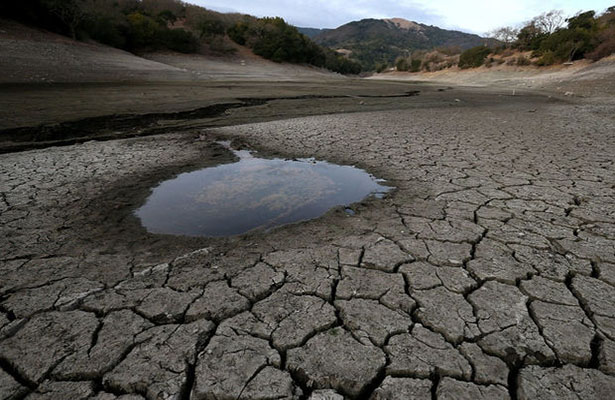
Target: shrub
{"x": 179, "y": 40}
{"x": 523, "y": 60}
{"x": 142, "y": 31}
{"x": 548, "y": 58}
{"x": 606, "y": 47}
{"x": 474, "y": 57}
{"x": 415, "y": 65}
{"x": 107, "y": 31}
{"x": 209, "y": 26}
{"x": 402, "y": 64}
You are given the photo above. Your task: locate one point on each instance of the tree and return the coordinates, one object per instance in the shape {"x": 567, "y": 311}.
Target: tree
{"x": 530, "y": 36}
{"x": 506, "y": 34}
{"x": 584, "y": 20}
{"x": 474, "y": 57}
{"x": 401, "y": 64}
{"x": 72, "y": 13}
{"x": 550, "y": 21}
{"x": 209, "y": 26}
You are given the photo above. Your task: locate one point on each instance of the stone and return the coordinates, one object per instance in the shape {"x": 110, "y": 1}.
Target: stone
{"x": 334, "y": 359}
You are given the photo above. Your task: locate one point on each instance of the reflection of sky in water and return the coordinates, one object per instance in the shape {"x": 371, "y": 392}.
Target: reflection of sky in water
{"x": 253, "y": 193}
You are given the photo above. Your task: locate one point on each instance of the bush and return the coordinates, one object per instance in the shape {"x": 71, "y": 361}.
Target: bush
{"x": 179, "y": 40}
{"x": 415, "y": 65}
{"x": 606, "y": 47}
{"x": 108, "y": 31}
{"x": 209, "y": 26}
{"x": 523, "y": 61}
{"x": 402, "y": 64}
{"x": 474, "y": 57}
{"x": 547, "y": 58}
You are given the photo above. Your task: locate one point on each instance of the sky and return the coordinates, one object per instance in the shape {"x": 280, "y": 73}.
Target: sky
{"x": 468, "y": 15}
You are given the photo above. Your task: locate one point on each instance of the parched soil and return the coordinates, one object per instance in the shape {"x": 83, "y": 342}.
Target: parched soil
{"x": 488, "y": 273}
{"x": 583, "y": 78}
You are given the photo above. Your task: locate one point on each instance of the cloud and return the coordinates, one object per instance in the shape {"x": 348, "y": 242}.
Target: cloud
{"x": 470, "y": 15}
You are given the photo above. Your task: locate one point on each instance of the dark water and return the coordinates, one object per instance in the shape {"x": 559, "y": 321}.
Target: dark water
{"x": 253, "y": 193}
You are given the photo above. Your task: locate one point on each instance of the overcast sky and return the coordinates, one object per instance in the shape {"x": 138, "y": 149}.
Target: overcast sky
{"x": 468, "y": 15}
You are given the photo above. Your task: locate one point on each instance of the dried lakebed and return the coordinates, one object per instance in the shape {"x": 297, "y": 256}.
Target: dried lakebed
{"x": 489, "y": 273}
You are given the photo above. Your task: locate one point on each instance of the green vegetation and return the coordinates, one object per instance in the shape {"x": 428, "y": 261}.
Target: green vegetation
{"x": 274, "y": 39}
{"x": 474, "y": 57}
{"x": 586, "y": 35}
{"x": 375, "y": 43}
{"x": 149, "y": 25}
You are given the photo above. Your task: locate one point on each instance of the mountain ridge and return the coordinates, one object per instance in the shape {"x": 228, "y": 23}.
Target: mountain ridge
{"x": 374, "y": 42}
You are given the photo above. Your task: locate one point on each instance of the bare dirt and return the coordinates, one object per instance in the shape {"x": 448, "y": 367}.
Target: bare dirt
{"x": 488, "y": 273}
{"x": 581, "y": 78}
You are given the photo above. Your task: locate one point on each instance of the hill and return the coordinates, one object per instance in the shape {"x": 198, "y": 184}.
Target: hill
{"x": 31, "y": 55}
{"x": 374, "y": 42}
{"x": 173, "y": 25}
{"x": 312, "y": 32}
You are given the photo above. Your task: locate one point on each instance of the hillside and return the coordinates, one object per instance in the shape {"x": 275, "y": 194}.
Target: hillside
{"x": 172, "y": 25}
{"x": 583, "y": 78}
{"x": 376, "y": 41}
{"x": 38, "y": 56}
{"x": 312, "y": 32}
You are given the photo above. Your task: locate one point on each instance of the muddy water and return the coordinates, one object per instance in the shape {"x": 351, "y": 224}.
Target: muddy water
{"x": 253, "y": 193}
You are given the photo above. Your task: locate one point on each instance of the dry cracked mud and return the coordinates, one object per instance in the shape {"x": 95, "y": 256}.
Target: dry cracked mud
{"x": 488, "y": 273}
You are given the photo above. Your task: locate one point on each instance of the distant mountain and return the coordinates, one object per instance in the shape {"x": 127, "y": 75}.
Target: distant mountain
{"x": 376, "y": 41}
{"x": 312, "y": 32}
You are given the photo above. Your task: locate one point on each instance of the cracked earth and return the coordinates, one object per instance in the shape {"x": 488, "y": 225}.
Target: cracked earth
{"x": 489, "y": 273}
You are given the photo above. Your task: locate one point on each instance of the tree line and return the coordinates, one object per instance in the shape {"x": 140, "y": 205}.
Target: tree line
{"x": 149, "y": 25}
{"x": 555, "y": 39}
{"x": 274, "y": 39}
{"x": 550, "y": 38}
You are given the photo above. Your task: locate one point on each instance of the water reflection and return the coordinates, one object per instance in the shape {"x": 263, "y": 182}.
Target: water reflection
{"x": 253, "y": 193}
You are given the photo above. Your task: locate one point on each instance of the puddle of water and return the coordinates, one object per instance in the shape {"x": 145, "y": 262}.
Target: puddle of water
{"x": 253, "y": 193}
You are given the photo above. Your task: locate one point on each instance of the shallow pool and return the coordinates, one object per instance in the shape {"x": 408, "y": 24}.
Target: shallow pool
{"x": 253, "y": 193}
